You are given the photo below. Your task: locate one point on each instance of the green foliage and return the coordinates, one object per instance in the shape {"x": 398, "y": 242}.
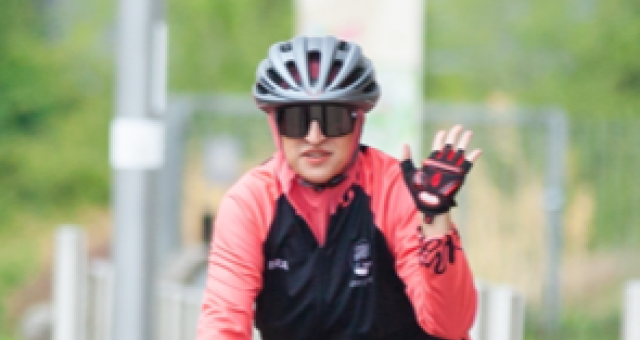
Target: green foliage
{"x": 54, "y": 109}
{"x": 579, "y": 55}
{"x": 607, "y": 166}
{"x": 52, "y": 126}
{"x": 216, "y": 45}
{"x": 16, "y": 265}
{"x": 26, "y": 82}
{"x": 576, "y": 325}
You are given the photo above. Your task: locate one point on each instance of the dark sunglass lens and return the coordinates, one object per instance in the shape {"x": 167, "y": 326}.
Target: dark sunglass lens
{"x": 338, "y": 121}
{"x": 315, "y": 112}
{"x": 293, "y": 121}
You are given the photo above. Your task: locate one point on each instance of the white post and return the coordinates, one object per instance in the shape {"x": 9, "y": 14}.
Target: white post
{"x": 101, "y": 300}
{"x": 479, "y": 329}
{"x": 191, "y": 304}
{"x": 631, "y": 317}
{"x": 69, "y": 280}
{"x": 506, "y": 314}
{"x": 391, "y": 34}
{"x": 170, "y": 314}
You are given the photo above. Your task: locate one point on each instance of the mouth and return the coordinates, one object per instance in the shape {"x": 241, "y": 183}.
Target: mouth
{"x": 316, "y": 153}
{"x": 316, "y": 156}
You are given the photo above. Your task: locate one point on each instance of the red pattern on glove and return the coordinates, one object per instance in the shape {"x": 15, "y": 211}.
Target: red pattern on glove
{"x": 440, "y": 176}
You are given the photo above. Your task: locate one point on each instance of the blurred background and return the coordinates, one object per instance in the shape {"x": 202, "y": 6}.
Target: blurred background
{"x": 499, "y": 66}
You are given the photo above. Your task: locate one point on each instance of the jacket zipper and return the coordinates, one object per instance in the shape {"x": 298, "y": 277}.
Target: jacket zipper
{"x": 320, "y": 283}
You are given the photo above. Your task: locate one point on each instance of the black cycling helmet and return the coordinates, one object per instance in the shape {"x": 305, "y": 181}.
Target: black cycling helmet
{"x": 315, "y": 69}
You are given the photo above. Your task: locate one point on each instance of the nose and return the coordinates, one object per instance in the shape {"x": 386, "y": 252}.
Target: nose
{"x": 314, "y": 136}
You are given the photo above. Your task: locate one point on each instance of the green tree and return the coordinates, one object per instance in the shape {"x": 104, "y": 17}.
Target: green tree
{"x": 54, "y": 104}
{"x": 580, "y": 55}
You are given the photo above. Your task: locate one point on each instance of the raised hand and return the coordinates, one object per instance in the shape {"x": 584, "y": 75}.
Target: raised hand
{"x": 435, "y": 185}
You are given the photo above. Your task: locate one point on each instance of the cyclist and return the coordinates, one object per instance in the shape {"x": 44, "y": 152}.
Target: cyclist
{"x": 330, "y": 239}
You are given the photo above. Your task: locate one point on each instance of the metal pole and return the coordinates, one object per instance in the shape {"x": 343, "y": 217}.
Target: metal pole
{"x": 557, "y": 130}
{"x": 136, "y": 154}
{"x": 69, "y": 285}
{"x": 168, "y": 235}
{"x": 158, "y": 104}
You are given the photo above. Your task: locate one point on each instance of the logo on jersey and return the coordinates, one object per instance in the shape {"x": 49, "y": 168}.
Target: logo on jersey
{"x": 361, "y": 264}
{"x": 362, "y": 258}
{"x": 278, "y": 264}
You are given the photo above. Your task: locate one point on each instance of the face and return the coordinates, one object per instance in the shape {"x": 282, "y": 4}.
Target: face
{"x": 318, "y": 158}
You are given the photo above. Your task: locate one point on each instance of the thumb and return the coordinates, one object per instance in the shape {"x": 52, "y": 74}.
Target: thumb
{"x": 406, "y": 164}
{"x": 405, "y": 154}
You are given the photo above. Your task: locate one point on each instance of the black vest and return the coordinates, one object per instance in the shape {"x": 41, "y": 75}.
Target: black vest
{"x": 347, "y": 289}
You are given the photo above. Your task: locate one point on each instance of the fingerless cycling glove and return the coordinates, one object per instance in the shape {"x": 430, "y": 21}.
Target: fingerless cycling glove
{"x": 439, "y": 179}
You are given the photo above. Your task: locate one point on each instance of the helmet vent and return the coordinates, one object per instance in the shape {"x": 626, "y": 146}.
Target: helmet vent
{"x": 343, "y": 46}
{"x": 275, "y": 77}
{"x": 261, "y": 89}
{"x": 335, "y": 68}
{"x": 293, "y": 70}
{"x": 314, "y": 66}
{"x": 286, "y": 47}
{"x": 365, "y": 81}
{"x": 352, "y": 77}
{"x": 370, "y": 88}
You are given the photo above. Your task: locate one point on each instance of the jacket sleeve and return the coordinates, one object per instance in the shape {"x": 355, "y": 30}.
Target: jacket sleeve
{"x": 234, "y": 273}
{"x": 436, "y": 273}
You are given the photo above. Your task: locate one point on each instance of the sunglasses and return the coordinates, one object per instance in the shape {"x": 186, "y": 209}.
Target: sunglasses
{"x": 335, "y": 120}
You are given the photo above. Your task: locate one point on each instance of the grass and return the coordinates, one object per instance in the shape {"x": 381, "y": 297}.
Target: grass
{"x": 577, "y": 325}
{"x": 21, "y": 257}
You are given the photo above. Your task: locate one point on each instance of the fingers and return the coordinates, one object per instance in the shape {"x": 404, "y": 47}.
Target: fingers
{"x": 473, "y": 155}
{"x": 451, "y": 137}
{"x": 443, "y": 138}
{"x": 464, "y": 140}
{"x": 405, "y": 153}
{"x": 453, "y": 134}
{"x": 438, "y": 141}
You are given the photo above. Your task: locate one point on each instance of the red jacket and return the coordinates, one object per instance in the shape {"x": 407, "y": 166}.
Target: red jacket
{"x": 347, "y": 262}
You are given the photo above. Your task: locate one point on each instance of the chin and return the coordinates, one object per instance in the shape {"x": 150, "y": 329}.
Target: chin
{"x": 318, "y": 174}
{"x": 316, "y": 178}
